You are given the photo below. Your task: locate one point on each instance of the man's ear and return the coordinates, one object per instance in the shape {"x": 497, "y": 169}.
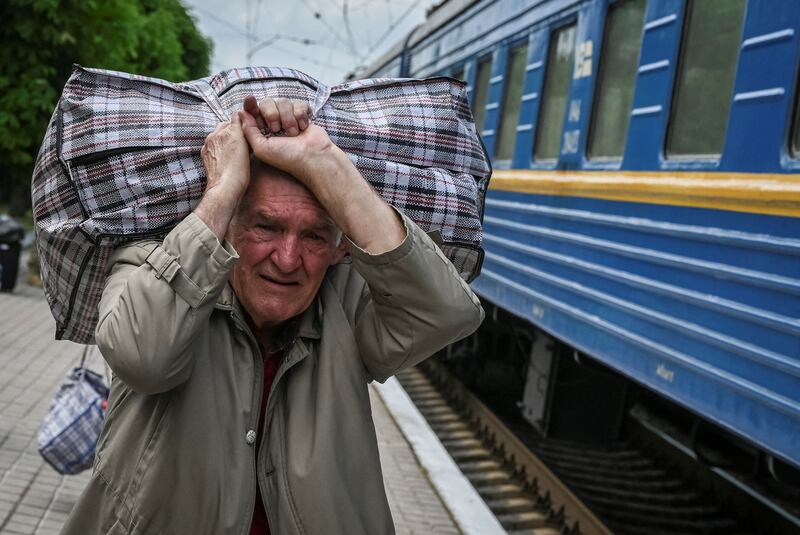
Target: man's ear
{"x": 341, "y": 250}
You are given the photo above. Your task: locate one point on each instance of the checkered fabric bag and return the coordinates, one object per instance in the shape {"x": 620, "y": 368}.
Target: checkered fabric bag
{"x": 68, "y": 435}
{"x": 121, "y": 161}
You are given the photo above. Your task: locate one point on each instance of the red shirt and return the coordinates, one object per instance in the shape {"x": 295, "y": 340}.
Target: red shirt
{"x": 272, "y": 361}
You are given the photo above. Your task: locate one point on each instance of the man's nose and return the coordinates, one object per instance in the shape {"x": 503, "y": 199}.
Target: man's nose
{"x": 286, "y": 255}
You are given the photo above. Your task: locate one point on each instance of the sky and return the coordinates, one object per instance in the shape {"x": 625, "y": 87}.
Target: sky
{"x": 313, "y": 36}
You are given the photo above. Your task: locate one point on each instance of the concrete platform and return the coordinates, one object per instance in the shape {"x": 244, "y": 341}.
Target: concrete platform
{"x": 416, "y": 507}
{"x": 34, "y": 499}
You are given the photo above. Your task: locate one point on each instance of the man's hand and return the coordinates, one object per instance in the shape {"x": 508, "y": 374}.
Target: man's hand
{"x": 296, "y": 154}
{"x": 227, "y": 161}
{"x": 307, "y": 153}
{"x": 226, "y": 156}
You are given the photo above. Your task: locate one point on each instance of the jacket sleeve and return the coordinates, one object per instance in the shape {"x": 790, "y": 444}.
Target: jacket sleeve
{"x": 415, "y": 303}
{"x": 157, "y": 297}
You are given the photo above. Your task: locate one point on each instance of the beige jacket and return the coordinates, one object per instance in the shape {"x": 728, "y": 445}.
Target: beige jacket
{"x": 177, "y": 455}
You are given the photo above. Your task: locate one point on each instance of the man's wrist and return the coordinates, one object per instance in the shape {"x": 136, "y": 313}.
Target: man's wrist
{"x": 217, "y": 206}
{"x": 226, "y": 185}
{"x": 331, "y": 161}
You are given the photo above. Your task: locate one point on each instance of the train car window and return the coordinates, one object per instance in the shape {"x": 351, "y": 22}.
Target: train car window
{"x": 554, "y": 100}
{"x": 704, "y": 85}
{"x": 480, "y": 92}
{"x": 617, "y": 78}
{"x": 458, "y": 74}
{"x": 515, "y": 76}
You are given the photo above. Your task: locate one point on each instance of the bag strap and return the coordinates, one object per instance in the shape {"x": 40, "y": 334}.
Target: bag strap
{"x": 106, "y": 369}
{"x": 83, "y": 356}
{"x": 82, "y": 365}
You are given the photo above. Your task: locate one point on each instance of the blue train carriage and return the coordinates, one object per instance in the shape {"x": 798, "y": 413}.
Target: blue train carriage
{"x": 645, "y": 204}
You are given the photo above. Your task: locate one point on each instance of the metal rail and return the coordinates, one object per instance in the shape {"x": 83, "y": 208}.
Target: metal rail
{"x": 567, "y": 507}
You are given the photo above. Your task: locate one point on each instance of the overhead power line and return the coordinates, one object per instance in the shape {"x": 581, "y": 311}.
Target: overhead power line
{"x": 253, "y": 40}
{"x": 349, "y": 31}
{"x": 308, "y": 59}
{"x": 227, "y": 23}
{"x": 343, "y": 35}
{"x": 251, "y": 35}
{"x": 394, "y": 25}
{"x": 319, "y": 17}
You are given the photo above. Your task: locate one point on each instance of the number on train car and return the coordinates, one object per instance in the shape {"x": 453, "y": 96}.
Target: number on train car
{"x": 665, "y": 373}
{"x": 583, "y": 60}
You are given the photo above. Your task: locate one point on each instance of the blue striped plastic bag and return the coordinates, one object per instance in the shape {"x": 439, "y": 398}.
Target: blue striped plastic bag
{"x": 69, "y": 432}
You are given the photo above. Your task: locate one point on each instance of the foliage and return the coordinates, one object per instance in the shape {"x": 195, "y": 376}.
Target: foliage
{"x": 40, "y": 40}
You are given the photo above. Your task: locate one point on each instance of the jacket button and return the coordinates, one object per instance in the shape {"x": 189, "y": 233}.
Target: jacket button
{"x": 250, "y": 437}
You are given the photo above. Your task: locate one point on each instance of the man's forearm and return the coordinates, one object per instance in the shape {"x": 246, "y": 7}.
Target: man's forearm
{"x": 226, "y": 159}
{"x": 326, "y": 170}
{"x": 361, "y": 213}
{"x": 156, "y": 300}
{"x": 216, "y": 209}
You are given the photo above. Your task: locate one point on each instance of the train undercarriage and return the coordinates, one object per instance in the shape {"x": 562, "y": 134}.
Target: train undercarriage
{"x": 641, "y": 463}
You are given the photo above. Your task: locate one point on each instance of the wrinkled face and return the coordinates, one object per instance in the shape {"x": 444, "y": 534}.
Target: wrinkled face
{"x": 286, "y": 241}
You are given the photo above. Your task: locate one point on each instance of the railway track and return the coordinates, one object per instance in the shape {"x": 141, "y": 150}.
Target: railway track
{"x": 526, "y": 497}
{"x": 544, "y": 486}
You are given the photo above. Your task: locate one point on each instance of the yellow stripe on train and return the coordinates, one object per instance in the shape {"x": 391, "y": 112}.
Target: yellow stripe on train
{"x": 773, "y": 194}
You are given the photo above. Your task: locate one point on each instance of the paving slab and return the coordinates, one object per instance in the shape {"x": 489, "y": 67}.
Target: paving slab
{"x": 32, "y": 495}
{"x": 416, "y": 506}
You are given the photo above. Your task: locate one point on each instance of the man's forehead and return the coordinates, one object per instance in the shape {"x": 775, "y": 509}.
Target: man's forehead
{"x": 275, "y": 197}
{"x": 283, "y": 211}
{"x": 275, "y": 182}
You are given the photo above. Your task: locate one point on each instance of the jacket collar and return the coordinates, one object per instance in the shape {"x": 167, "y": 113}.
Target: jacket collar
{"x": 310, "y": 319}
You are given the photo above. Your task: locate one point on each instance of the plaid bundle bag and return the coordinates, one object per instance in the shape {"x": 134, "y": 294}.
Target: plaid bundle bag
{"x": 121, "y": 161}
{"x": 68, "y": 435}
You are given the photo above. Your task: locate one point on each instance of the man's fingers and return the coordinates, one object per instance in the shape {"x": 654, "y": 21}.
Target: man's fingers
{"x": 301, "y": 113}
{"x": 253, "y": 135}
{"x": 288, "y": 121}
{"x": 251, "y": 107}
{"x": 269, "y": 111}
{"x": 291, "y": 116}
{"x": 248, "y": 122}
{"x": 236, "y": 120}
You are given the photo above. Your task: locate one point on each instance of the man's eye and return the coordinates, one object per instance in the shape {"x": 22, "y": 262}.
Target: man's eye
{"x": 317, "y": 237}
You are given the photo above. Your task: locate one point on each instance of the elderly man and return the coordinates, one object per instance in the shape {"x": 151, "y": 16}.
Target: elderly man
{"x": 242, "y": 344}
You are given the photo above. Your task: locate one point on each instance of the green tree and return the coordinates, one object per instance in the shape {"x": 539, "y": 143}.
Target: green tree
{"x": 40, "y": 40}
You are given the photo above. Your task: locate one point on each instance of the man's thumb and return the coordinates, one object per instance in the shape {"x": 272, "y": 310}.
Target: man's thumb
{"x": 257, "y": 141}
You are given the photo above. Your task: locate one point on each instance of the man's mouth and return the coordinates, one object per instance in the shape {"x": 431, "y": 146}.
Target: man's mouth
{"x": 279, "y": 282}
